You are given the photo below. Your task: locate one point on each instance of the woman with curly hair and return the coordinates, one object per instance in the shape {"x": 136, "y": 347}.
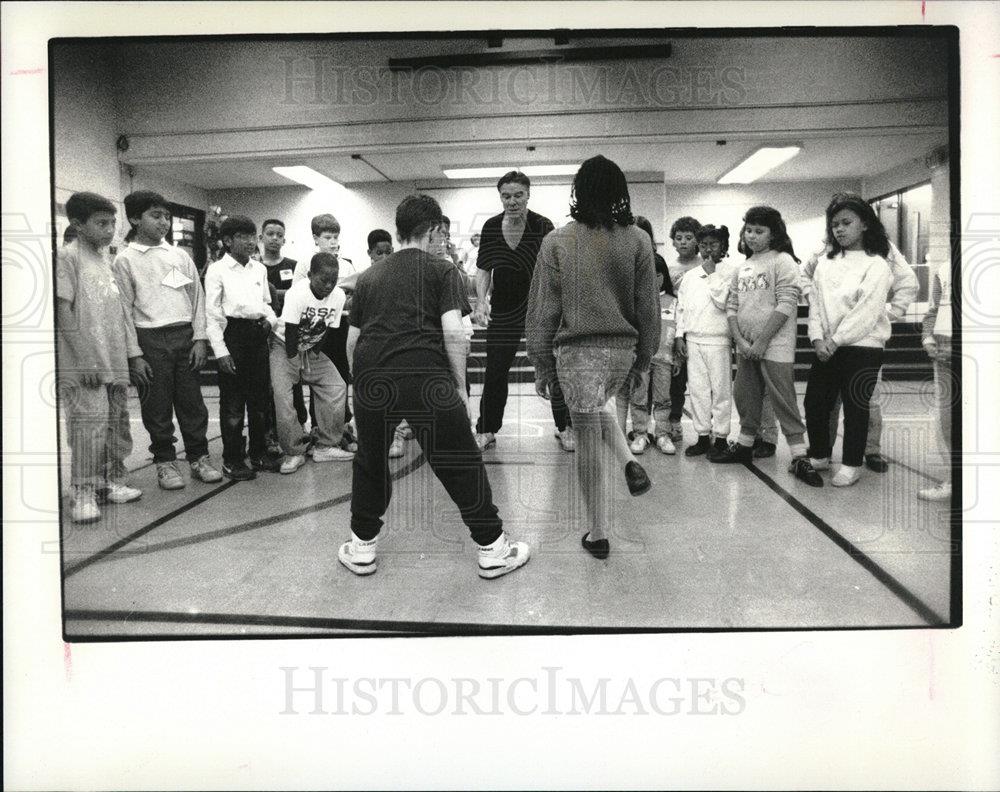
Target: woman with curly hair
{"x": 594, "y": 321}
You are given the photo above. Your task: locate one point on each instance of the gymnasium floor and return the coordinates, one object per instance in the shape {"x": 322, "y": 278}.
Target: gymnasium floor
{"x": 709, "y": 546}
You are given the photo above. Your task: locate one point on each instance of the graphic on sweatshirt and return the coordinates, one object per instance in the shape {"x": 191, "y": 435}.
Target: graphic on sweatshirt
{"x": 312, "y": 326}
{"x": 753, "y": 282}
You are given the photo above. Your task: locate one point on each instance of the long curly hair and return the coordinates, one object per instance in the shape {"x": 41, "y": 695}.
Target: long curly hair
{"x": 769, "y": 217}
{"x": 874, "y": 239}
{"x": 600, "y": 196}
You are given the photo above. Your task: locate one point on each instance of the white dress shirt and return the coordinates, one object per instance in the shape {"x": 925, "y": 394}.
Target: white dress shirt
{"x": 238, "y": 291}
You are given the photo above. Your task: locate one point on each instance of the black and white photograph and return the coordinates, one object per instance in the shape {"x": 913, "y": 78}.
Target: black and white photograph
{"x": 463, "y": 343}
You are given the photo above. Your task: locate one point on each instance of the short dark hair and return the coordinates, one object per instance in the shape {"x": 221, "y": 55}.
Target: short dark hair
{"x": 688, "y": 224}
{"x": 272, "y": 221}
{"x": 140, "y": 201}
{"x": 416, "y": 215}
{"x": 324, "y": 223}
{"x": 320, "y": 260}
{"x": 514, "y": 177}
{"x": 70, "y": 234}
{"x": 378, "y": 235}
{"x": 82, "y": 205}
{"x": 236, "y": 224}
{"x": 711, "y": 232}
{"x": 599, "y": 197}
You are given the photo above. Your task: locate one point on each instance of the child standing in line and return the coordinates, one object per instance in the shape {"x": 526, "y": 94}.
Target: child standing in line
{"x": 97, "y": 350}
{"x": 937, "y": 343}
{"x": 240, "y": 318}
{"x": 703, "y": 340}
{"x": 654, "y": 385}
{"x": 311, "y": 307}
{"x": 684, "y": 235}
{"x": 162, "y": 292}
{"x": 763, "y": 301}
{"x": 848, "y": 328}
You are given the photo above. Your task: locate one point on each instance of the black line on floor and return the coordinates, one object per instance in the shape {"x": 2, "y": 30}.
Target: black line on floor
{"x": 383, "y": 628}
{"x": 72, "y": 569}
{"x": 503, "y": 462}
{"x": 208, "y": 536}
{"x": 881, "y": 575}
{"x": 912, "y": 469}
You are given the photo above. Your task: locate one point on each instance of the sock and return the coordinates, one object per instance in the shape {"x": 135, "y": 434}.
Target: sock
{"x": 798, "y": 450}
{"x": 745, "y": 440}
{"x": 497, "y": 550}
{"x": 362, "y": 550}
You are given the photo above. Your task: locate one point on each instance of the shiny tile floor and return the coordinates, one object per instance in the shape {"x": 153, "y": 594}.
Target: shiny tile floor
{"x": 718, "y": 547}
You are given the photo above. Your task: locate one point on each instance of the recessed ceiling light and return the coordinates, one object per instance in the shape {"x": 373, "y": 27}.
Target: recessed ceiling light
{"x": 307, "y": 176}
{"x": 763, "y": 160}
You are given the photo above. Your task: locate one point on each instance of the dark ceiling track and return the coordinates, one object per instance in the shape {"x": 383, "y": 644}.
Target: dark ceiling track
{"x": 362, "y": 159}
{"x": 539, "y": 56}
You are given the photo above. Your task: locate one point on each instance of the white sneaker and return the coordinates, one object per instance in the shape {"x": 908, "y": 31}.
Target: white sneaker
{"x": 939, "y": 493}
{"x": 397, "y": 449}
{"x": 639, "y": 443}
{"x": 291, "y": 463}
{"x": 502, "y": 557}
{"x": 567, "y": 439}
{"x": 820, "y": 464}
{"x": 331, "y": 454}
{"x": 846, "y": 476}
{"x": 666, "y": 445}
{"x": 121, "y": 493}
{"x": 486, "y": 440}
{"x": 83, "y": 505}
{"x": 359, "y": 556}
{"x": 203, "y": 470}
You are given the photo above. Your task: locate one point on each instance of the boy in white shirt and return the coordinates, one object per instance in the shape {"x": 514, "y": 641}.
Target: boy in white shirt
{"x": 311, "y": 307}
{"x": 239, "y": 320}
{"x": 684, "y": 236}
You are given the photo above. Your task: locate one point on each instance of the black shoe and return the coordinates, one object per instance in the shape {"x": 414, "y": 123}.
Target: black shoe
{"x": 238, "y": 471}
{"x": 732, "y": 454}
{"x": 598, "y": 549}
{"x": 636, "y": 478}
{"x": 876, "y": 462}
{"x": 763, "y": 449}
{"x": 719, "y": 447}
{"x": 268, "y": 462}
{"x": 804, "y": 471}
{"x": 701, "y": 447}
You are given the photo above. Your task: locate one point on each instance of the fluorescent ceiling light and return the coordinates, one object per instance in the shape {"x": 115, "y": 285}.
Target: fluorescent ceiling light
{"x": 763, "y": 160}
{"x": 307, "y": 176}
{"x": 500, "y": 170}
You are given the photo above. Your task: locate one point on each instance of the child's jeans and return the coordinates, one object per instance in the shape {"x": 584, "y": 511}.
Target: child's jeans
{"x": 656, "y": 381}
{"x": 246, "y": 391}
{"x": 98, "y": 432}
{"x": 711, "y": 386}
{"x": 174, "y": 388}
{"x": 328, "y": 390}
{"x": 754, "y": 378}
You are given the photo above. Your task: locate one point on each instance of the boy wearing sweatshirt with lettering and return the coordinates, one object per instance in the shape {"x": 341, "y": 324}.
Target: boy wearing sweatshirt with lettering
{"x": 848, "y": 327}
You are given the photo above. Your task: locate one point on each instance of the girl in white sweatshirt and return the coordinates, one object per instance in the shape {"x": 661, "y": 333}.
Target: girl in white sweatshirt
{"x": 848, "y": 328}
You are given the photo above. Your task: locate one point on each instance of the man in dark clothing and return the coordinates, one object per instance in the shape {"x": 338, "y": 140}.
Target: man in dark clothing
{"x": 508, "y": 247}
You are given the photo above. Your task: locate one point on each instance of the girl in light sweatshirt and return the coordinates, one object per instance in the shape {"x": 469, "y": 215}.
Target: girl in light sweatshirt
{"x": 848, "y": 328}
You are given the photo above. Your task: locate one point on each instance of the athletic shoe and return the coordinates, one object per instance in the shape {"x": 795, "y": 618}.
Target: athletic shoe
{"x": 168, "y": 476}
{"x": 803, "y": 470}
{"x": 701, "y": 447}
{"x": 763, "y": 449}
{"x": 83, "y": 505}
{"x": 203, "y": 470}
{"x": 348, "y": 441}
{"x": 732, "y": 454}
{"x": 120, "y": 493}
{"x": 397, "y": 448}
{"x": 876, "y": 462}
{"x": 271, "y": 464}
{"x": 238, "y": 471}
{"x": 599, "y": 549}
{"x": 846, "y": 476}
{"x": 676, "y": 432}
{"x": 639, "y": 443}
{"x": 359, "y": 556}
{"x": 636, "y": 478}
{"x": 820, "y": 464}
{"x": 719, "y": 448}
{"x": 331, "y": 454}
{"x": 485, "y": 440}
{"x": 501, "y": 557}
{"x": 665, "y": 445}
{"x": 291, "y": 463}
{"x": 939, "y": 493}
{"x": 567, "y": 439}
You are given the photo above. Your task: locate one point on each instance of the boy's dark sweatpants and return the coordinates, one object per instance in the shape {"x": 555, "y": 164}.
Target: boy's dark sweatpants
{"x": 247, "y": 391}
{"x": 174, "y": 388}
{"x": 678, "y": 384}
{"x": 429, "y": 403}
{"x": 335, "y": 347}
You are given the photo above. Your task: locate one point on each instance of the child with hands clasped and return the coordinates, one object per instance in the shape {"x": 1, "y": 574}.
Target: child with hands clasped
{"x": 848, "y": 328}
